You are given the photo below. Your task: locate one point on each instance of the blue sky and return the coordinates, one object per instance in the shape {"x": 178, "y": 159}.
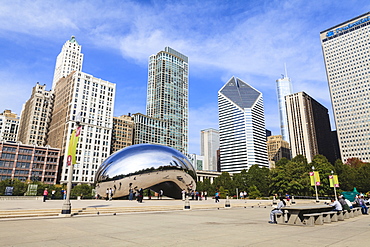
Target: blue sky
{"x": 248, "y": 39}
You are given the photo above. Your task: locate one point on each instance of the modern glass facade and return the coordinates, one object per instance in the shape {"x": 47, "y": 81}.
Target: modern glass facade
{"x": 167, "y": 97}
{"x": 242, "y": 127}
{"x": 283, "y": 88}
{"x": 346, "y": 52}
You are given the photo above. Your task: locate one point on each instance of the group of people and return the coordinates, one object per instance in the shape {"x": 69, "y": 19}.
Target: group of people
{"x": 339, "y": 205}
{"x": 344, "y": 204}
{"x": 46, "y": 194}
{"x": 243, "y": 195}
{"x": 195, "y": 195}
{"x": 138, "y": 193}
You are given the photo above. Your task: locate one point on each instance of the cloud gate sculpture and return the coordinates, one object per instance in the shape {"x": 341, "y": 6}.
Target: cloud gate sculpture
{"x": 146, "y": 166}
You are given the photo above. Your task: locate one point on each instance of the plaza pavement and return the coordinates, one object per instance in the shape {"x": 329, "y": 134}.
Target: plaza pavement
{"x": 212, "y": 225}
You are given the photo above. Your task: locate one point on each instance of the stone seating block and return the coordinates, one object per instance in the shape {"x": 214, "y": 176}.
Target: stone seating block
{"x": 329, "y": 217}
{"x": 340, "y": 215}
{"x": 313, "y": 219}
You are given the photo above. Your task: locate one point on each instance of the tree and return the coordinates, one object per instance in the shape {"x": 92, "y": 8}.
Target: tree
{"x": 254, "y": 192}
{"x": 82, "y": 190}
{"x": 347, "y": 175}
{"x": 363, "y": 175}
{"x": 259, "y": 177}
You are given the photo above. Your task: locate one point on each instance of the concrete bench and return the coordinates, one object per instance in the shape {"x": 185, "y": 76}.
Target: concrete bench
{"x": 356, "y": 211}
{"x": 340, "y": 215}
{"x": 346, "y": 214}
{"x": 329, "y": 217}
{"x": 280, "y": 218}
{"x": 313, "y": 219}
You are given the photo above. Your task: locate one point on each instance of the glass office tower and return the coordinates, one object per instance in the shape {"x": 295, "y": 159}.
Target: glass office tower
{"x": 167, "y": 97}
{"x": 283, "y": 88}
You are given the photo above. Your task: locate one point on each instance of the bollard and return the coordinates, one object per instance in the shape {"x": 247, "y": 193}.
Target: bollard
{"x": 187, "y": 204}
{"x": 274, "y": 201}
{"x": 293, "y": 202}
{"x": 227, "y": 202}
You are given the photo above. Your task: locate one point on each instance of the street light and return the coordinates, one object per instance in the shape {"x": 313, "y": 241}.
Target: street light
{"x": 71, "y": 160}
{"x": 314, "y": 180}
{"x": 335, "y": 191}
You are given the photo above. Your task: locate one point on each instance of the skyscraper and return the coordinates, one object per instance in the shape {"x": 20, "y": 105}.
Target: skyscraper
{"x": 309, "y": 127}
{"x": 36, "y": 116}
{"x": 91, "y": 98}
{"x": 167, "y": 97}
{"x": 277, "y": 148}
{"x": 242, "y": 127}
{"x": 122, "y": 133}
{"x": 9, "y": 123}
{"x": 69, "y": 59}
{"x": 210, "y": 143}
{"x": 346, "y": 54}
{"x": 150, "y": 130}
{"x": 283, "y": 88}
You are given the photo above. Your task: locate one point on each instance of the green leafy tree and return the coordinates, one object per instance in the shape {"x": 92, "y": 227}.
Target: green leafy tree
{"x": 259, "y": 177}
{"x": 363, "y": 181}
{"x": 225, "y": 181}
{"x": 254, "y": 192}
{"x": 83, "y": 189}
{"x": 347, "y": 175}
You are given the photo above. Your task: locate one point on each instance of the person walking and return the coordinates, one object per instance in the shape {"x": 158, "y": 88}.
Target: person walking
{"x": 160, "y": 194}
{"x": 46, "y": 193}
{"x": 217, "y": 197}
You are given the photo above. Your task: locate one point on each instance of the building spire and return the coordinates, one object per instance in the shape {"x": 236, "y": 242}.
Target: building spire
{"x": 286, "y": 72}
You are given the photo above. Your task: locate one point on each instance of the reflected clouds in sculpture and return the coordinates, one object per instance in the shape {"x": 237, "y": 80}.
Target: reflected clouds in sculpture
{"x": 146, "y": 166}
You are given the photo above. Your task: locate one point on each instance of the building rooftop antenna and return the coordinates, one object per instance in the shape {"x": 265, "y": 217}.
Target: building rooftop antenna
{"x": 286, "y": 72}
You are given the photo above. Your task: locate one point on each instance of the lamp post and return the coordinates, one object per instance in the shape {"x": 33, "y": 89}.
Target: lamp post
{"x": 335, "y": 191}
{"x": 66, "y": 208}
{"x": 314, "y": 180}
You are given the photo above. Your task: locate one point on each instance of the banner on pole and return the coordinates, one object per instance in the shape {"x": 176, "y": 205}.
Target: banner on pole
{"x": 314, "y": 178}
{"x": 333, "y": 179}
{"x": 71, "y": 158}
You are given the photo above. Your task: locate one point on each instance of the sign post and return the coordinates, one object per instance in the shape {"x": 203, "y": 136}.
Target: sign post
{"x": 333, "y": 179}
{"x": 315, "y": 180}
{"x": 71, "y": 160}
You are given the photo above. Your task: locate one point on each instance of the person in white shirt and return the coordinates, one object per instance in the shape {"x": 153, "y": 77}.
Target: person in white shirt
{"x": 277, "y": 210}
{"x": 336, "y": 204}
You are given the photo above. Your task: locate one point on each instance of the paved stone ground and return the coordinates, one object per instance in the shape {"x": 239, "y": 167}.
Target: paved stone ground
{"x": 236, "y": 226}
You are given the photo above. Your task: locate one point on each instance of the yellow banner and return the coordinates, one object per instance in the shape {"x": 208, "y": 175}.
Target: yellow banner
{"x": 333, "y": 179}
{"x": 71, "y": 158}
{"x": 314, "y": 178}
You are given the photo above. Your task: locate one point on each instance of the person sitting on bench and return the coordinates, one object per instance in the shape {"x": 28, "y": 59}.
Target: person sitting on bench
{"x": 336, "y": 204}
{"x": 277, "y": 210}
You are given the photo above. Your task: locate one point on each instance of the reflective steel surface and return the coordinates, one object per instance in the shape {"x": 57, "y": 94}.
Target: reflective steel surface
{"x": 146, "y": 166}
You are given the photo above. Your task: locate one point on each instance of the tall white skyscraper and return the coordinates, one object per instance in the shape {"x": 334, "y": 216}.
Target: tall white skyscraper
{"x": 167, "y": 97}
{"x": 242, "y": 127}
{"x": 210, "y": 143}
{"x": 346, "y": 53}
{"x": 283, "y": 88}
{"x": 69, "y": 59}
{"x": 91, "y": 98}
